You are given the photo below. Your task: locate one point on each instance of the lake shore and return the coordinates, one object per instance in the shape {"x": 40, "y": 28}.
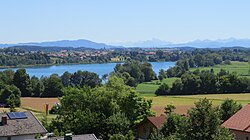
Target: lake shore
{"x": 48, "y": 65}
{"x": 99, "y": 68}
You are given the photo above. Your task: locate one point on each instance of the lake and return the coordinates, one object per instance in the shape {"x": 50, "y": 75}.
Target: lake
{"x": 100, "y": 69}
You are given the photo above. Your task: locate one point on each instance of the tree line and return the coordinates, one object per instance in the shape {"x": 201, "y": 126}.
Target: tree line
{"x": 19, "y": 84}
{"x": 206, "y": 58}
{"x": 25, "y": 59}
{"x": 197, "y": 57}
{"x": 206, "y": 82}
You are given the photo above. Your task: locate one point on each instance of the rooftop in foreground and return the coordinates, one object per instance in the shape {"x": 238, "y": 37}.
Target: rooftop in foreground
{"x": 20, "y": 123}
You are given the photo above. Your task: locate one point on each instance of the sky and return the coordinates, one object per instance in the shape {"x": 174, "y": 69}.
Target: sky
{"x": 112, "y": 21}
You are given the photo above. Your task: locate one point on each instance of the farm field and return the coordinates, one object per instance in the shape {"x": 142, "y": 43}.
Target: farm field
{"x": 36, "y": 106}
{"x": 183, "y": 103}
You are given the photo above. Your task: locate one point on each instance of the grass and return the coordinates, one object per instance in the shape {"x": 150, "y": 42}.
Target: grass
{"x": 190, "y": 99}
{"x": 241, "y": 68}
{"x": 151, "y": 87}
{"x": 183, "y": 103}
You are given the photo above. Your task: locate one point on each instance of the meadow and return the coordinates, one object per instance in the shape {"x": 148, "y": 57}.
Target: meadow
{"x": 150, "y": 87}
{"x": 183, "y": 103}
{"x": 241, "y": 68}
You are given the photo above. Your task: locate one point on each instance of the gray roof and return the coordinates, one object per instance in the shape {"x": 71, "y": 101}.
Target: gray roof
{"x": 27, "y": 126}
{"x": 76, "y": 137}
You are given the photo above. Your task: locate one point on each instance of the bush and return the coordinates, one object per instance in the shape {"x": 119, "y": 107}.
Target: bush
{"x": 227, "y": 62}
{"x": 55, "y": 109}
{"x": 163, "y": 90}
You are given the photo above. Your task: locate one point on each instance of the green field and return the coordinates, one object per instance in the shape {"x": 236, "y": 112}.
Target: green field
{"x": 241, "y": 68}
{"x": 183, "y": 103}
{"x": 150, "y": 87}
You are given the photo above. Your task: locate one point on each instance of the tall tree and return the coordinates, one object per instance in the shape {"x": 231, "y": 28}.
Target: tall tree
{"x": 149, "y": 74}
{"x": 162, "y": 75}
{"x": 228, "y": 108}
{"x": 37, "y": 86}
{"x": 66, "y": 78}
{"x": 52, "y": 86}
{"x": 22, "y": 81}
{"x": 6, "y": 77}
{"x": 204, "y": 120}
{"x": 10, "y": 95}
{"x": 174, "y": 124}
{"x": 85, "y": 78}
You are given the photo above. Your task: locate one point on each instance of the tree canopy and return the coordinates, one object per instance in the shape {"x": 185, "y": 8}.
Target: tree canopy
{"x": 105, "y": 111}
{"x": 201, "y": 123}
{"x": 134, "y": 72}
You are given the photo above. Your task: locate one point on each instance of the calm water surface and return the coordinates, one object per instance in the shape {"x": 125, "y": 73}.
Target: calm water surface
{"x": 100, "y": 69}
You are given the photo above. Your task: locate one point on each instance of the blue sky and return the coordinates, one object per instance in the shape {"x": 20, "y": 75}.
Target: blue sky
{"x": 123, "y": 20}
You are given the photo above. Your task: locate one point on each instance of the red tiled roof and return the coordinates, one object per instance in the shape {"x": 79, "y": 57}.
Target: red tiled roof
{"x": 157, "y": 121}
{"x": 240, "y": 120}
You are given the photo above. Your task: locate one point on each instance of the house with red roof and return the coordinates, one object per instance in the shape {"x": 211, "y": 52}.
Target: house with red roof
{"x": 146, "y": 127}
{"x": 239, "y": 123}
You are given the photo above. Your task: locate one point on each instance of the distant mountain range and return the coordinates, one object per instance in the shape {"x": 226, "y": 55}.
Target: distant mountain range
{"x": 145, "y": 44}
{"x": 154, "y": 43}
{"x": 220, "y": 43}
{"x": 65, "y": 43}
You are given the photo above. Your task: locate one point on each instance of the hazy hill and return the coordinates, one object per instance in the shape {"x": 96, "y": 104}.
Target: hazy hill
{"x": 231, "y": 42}
{"x": 65, "y": 43}
{"x": 49, "y": 49}
{"x": 153, "y": 43}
